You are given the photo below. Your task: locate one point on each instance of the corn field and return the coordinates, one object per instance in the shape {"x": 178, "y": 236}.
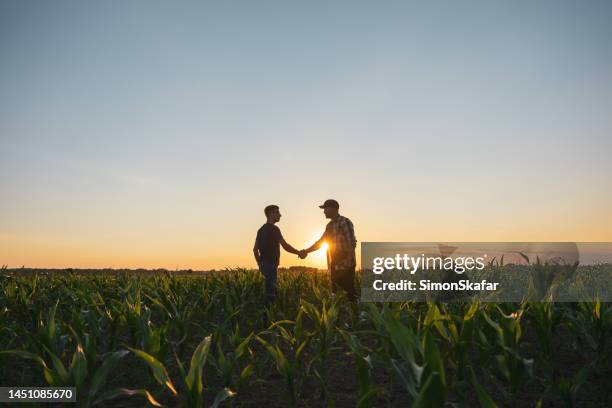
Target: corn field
{"x": 206, "y": 340}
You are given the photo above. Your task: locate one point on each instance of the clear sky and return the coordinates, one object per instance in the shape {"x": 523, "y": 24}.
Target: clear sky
{"x": 152, "y": 134}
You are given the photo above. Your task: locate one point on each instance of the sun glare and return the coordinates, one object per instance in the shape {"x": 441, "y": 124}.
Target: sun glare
{"x": 320, "y": 255}
{"x": 318, "y": 258}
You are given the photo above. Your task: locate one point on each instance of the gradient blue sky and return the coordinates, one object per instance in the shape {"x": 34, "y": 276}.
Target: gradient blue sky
{"x": 146, "y": 133}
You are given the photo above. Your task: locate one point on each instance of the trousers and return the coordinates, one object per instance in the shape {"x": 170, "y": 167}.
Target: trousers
{"x": 269, "y": 270}
{"x": 344, "y": 278}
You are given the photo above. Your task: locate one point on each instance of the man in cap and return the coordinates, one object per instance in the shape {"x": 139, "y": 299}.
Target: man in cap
{"x": 340, "y": 237}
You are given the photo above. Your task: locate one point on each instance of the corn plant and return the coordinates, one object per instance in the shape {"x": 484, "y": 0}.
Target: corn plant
{"x": 162, "y": 321}
{"x": 592, "y": 321}
{"x": 566, "y": 388}
{"x": 288, "y": 364}
{"x": 87, "y": 371}
{"x": 363, "y": 362}
{"x": 546, "y": 320}
{"x": 546, "y": 276}
{"x": 505, "y": 347}
{"x": 77, "y": 373}
{"x": 192, "y": 379}
{"x": 176, "y": 310}
{"x": 457, "y": 331}
{"x": 416, "y": 362}
{"x": 231, "y": 366}
{"x": 324, "y": 336}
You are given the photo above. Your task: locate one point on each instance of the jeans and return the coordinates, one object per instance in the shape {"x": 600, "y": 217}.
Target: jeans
{"x": 344, "y": 278}
{"x": 269, "y": 269}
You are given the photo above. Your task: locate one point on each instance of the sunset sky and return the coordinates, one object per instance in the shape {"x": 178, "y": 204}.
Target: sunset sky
{"x": 152, "y": 134}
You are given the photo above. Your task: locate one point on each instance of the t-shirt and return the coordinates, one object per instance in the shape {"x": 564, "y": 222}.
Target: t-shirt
{"x": 268, "y": 242}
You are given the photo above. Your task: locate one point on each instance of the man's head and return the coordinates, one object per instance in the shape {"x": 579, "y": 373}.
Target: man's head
{"x": 272, "y": 213}
{"x": 330, "y": 208}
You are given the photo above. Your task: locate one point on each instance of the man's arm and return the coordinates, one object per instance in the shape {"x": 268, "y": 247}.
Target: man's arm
{"x": 256, "y": 252}
{"x": 288, "y": 247}
{"x": 316, "y": 245}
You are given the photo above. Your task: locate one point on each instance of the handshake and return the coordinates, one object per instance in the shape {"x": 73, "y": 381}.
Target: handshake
{"x": 302, "y": 254}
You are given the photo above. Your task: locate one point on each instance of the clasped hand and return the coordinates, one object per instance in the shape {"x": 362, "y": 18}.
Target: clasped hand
{"x": 302, "y": 254}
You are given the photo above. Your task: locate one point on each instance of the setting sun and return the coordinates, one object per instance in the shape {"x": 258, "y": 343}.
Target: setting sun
{"x": 320, "y": 255}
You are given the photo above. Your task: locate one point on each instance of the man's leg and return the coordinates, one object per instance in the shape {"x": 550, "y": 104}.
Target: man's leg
{"x": 345, "y": 278}
{"x": 349, "y": 284}
{"x": 333, "y": 276}
{"x": 269, "y": 270}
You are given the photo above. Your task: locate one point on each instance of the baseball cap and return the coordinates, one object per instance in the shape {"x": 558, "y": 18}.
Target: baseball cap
{"x": 330, "y": 203}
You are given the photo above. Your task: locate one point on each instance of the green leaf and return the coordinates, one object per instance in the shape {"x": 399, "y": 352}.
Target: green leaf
{"x": 243, "y": 345}
{"x": 402, "y": 337}
{"x": 62, "y": 374}
{"x": 118, "y": 392}
{"x": 78, "y": 367}
{"x": 51, "y": 377}
{"x": 364, "y": 400}
{"x": 434, "y": 359}
{"x": 485, "y": 399}
{"x": 157, "y": 368}
{"x": 471, "y": 311}
{"x": 27, "y": 355}
{"x": 198, "y": 359}
{"x": 222, "y": 396}
{"x": 407, "y": 377}
{"x": 581, "y": 376}
{"x": 247, "y": 372}
{"x": 432, "y": 394}
{"x": 301, "y": 349}
{"x": 108, "y": 364}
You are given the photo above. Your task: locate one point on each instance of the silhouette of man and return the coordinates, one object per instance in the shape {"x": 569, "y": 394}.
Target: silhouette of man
{"x": 267, "y": 250}
{"x": 340, "y": 237}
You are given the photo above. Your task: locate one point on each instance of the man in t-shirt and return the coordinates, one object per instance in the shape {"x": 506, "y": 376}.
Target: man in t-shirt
{"x": 267, "y": 250}
{"x": 340, "y": 237}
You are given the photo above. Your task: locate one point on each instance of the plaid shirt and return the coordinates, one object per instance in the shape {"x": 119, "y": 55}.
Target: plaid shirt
{"x": 340, "y": 236}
